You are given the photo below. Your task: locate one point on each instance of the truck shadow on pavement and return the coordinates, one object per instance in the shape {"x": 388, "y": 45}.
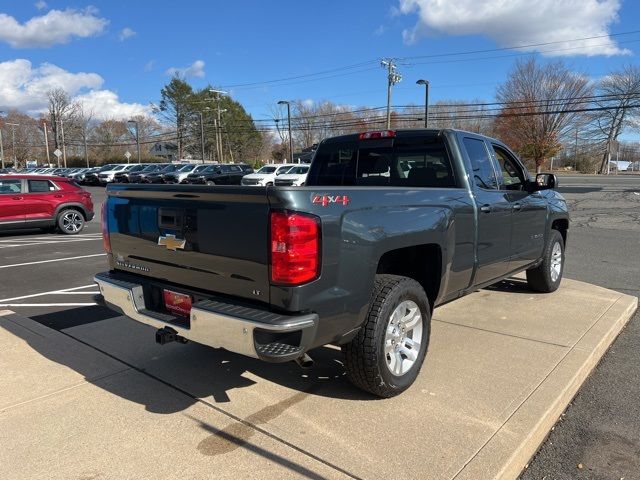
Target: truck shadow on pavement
{"x": 109, "y": 353}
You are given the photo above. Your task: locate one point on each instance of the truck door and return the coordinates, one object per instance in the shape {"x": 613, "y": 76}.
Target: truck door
{"x": 494, "y": 213}
{"x": 529, "y": 209}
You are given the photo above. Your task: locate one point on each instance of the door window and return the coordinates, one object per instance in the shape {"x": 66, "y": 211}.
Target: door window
{"x": 41, "y": 186}
{"x": 484, "y": 175}
{"x": 8, "y": 187}
{"x": 512, "y": 175}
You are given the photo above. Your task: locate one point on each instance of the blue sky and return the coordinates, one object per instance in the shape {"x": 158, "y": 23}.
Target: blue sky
{"x": 117, "y": 55}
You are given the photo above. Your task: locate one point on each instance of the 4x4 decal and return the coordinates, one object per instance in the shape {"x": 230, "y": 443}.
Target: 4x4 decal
{"x": 325, "y": 200}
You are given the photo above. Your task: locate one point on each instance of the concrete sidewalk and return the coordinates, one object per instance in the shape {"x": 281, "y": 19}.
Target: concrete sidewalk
{"x": 103, "y": 401}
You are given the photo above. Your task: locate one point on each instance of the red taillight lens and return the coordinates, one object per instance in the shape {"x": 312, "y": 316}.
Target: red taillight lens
{"x": 379, "y": 134}
{"x": 106, "y": 241}
{"x": 295, "y": 248}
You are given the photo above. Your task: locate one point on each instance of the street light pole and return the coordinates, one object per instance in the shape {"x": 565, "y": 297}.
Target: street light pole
{"x": 288, "y": 104}
{"x": 426, "y": 101}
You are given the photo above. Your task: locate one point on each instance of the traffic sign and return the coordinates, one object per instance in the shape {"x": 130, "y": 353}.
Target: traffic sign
{"x": 127, "y": 155}
{"x": 57, "y": 152}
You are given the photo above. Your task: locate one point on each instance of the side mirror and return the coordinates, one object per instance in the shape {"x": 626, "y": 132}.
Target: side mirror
{"x": 544, "y": 181}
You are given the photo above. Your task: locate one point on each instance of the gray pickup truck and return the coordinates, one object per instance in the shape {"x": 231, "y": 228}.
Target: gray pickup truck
{"x": 390, "y": 225}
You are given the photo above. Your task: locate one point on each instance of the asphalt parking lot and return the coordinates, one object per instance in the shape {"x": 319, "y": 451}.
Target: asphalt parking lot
{"x": 47, "y": 277}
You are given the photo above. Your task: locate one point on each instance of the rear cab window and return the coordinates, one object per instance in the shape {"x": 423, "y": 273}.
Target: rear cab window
{"x": 404, "y": 161}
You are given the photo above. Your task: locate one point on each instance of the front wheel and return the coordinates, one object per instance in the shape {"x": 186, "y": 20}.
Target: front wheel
{"x": 547, "y": 276}
{"x": 70, "y": 222}
{"x": 210, "y": 182}
{"x": 386, "y": 355}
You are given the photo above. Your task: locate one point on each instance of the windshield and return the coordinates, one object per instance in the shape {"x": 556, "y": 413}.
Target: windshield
{"x": 284, "y": 169}
{"x": 298, "y": 171}
{"x": 138, "y": 168}
{"x": 186, "y": 168}
{"x": 170, "y": 168}
{"x": 267, "y": 169}
{"x": 106, "y": 167}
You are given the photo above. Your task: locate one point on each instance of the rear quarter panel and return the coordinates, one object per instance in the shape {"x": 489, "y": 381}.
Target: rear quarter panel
{"x": 356, "y": 235}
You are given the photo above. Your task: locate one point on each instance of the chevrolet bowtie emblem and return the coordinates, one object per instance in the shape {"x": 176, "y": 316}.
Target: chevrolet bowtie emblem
{"x": 171, "y": 242}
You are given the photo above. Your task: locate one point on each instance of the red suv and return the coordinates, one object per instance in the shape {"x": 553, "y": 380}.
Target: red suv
{"x": 39, "y": 201}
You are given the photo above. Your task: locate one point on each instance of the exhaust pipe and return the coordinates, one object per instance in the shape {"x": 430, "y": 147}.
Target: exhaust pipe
{"x": 304, "y": 361}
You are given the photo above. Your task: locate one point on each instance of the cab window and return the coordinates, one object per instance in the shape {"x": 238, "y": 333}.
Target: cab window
{"x": 512, "y": 176}
{"x": 484, "y": 176}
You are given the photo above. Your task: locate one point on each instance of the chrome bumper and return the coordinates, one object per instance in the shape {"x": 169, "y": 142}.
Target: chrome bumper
{"x": 209, "y": 325}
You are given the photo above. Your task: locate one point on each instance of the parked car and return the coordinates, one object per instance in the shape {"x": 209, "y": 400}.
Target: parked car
{"x": 40, "y": 201}
{"x": 91, "y": 178}
{"x": 266, "y": 176}
{"x": 141, "y": 175}
{"x": 180, "y": 174}
{"x": 125, "y": 175}
{"x": 358, "y": 259}
{"x": 223, "y": 174}
{"x": 158, "y": 176}
{"x": 296, "y": 176}
{"x": 246, "y": 169}
{"x": 106, "y": 176}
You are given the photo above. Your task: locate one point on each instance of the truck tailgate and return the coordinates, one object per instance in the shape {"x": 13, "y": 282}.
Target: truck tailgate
{"x": 225, "y": 235}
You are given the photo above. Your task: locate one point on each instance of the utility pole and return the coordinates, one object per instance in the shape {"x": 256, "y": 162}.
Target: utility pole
{"x": 426, "y": 101}
{"x": 575, "y": 151}
{"x": 286, "y": 102}
{"x": 218, "y": 125}
{"x": 13, "y": 141}
{"x": 46, "y": 141}
{"x": 1, "y": 146}
{"x": 64, "y": 148}
{"x": 215, "y": 128}
{"x": 201, "y": 135}
{"x": 393, "y": 77}
{"x": 86, "y": 150}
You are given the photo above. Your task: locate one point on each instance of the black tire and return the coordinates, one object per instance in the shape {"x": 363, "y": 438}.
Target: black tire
{"x": 366, "y": 362}
{"x": 70, "y": 221}
{"x": 269, "y": 184}
{"x": 542, "y": 278}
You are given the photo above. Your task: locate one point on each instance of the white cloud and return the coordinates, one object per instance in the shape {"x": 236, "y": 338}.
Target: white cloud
{"x": 196, "y": 69}
{"x": 55, "y": 27}
{"x": 149, "y": 65}
{"x": 380, "y": 30}
{"x": 308, "y": 102}
{"x": 105, "y": 104}
{"x": 126, "y": 33}
{"x": 24, "y": 88}
{"x": 521, "y": 22}
{"x": 41, "y": 5}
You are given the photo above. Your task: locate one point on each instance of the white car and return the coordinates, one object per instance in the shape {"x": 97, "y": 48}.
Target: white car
{"x": 106, "y": 176}
{"x": 295, "y": 177}
{"x": 267, "y": 174}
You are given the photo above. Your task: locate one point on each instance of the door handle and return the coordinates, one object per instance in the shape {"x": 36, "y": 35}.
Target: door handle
{"x": 485, "y": 208}
{"x": 58, "y": 196}
{"x": 16, "y": 198}
{"x": 517, "y": 206}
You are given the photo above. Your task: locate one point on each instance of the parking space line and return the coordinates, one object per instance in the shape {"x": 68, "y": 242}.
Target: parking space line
{"x": 50, "y": 261}
{"x": 76, "y": 293}
{"x": 47, "y": 293}
{"x": 51, "y": 237}
{"x": 55, "y": 242}
{"x": 47, "y": 304}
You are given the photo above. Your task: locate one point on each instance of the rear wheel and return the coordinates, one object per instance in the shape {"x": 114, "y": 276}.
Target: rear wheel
{"x": 70, "y": 222}
{"x": 547, "y": 276}
{"x": 386, "y": 355}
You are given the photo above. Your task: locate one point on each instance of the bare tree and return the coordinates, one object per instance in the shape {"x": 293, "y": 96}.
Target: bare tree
{"x": 618, "y": 96}
{"x": 541, "y": 107}
{"x": 63, "y": 114}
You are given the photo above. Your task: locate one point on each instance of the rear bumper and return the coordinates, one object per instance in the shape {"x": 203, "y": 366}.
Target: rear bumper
{"x": 248, "y": 331}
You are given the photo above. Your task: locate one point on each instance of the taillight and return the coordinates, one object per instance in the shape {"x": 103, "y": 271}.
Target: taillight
{"x": 106, "y": 241}
{"x": 295, "y": 248}
{"x": 379, "y": 134}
